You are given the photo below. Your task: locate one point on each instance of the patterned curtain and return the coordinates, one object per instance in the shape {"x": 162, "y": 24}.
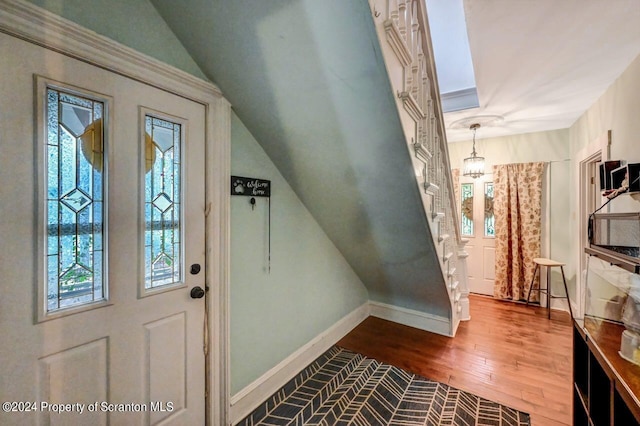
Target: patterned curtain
{"x": 517, "y": 209}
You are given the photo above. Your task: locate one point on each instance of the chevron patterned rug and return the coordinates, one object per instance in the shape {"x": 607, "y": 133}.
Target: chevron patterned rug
{"x": 346, "y": 388}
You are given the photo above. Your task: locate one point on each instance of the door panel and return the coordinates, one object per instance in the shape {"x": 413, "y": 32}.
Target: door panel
{"x": 481, "y": 245}
{"x": 140, "y": 358}
{"x": 489, "y": 263}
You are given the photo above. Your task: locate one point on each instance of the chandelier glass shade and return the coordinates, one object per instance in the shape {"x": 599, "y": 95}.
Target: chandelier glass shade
{"x": 473, "y": 166}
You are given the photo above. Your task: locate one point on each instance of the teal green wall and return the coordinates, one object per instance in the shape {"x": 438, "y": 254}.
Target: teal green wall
{"x": 134, "y": 23}
{"x": 310, "y": 287}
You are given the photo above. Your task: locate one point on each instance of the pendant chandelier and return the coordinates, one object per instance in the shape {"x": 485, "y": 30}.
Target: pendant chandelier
{"x": 473, "y": 166}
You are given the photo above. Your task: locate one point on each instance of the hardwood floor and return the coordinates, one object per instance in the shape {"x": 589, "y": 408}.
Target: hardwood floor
{"x": 509, "y": 353}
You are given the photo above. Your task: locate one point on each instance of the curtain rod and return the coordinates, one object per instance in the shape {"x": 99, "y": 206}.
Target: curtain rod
{"x": 558, "y": 161}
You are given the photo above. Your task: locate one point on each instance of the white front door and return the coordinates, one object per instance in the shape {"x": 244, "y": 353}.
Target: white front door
{"x": 101, "y": 219}
{"x": 477, "y": 225}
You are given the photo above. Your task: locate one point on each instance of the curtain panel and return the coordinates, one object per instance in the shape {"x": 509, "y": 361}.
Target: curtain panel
{"x": 518, "y": 212}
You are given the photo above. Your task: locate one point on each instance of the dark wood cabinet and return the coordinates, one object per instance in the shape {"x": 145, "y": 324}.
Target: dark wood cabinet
{"x": 606, "y": 387}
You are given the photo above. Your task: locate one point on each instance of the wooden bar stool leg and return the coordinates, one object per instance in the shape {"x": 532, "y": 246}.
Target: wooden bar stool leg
{"x": 533, "y": 279}
{"x": 566, "y": 291}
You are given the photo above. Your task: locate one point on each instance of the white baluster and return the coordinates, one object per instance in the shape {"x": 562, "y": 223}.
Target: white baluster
{"x": 415, "y": 42}
{"x": 422, "y": 98}
{"x": 402, "y": 18}
{"x": 433, "y": 129}
{"x": 438, "y": 180}
{"x": 426, "y": 84}
{"x": 405, "y": 35}
{"x": 392, "y": 11}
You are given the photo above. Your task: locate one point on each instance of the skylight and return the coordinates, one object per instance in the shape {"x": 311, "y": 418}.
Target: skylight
{"x": 454, "y": 66}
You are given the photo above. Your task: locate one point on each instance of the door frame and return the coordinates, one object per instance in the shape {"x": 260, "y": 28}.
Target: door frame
{"x": 597, "y": 150}
{"x": 479, "y": 238}
{"x": 26, "y": 21}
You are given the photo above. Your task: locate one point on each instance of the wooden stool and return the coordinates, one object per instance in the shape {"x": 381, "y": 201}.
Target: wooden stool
{"x": 541, "y": 261}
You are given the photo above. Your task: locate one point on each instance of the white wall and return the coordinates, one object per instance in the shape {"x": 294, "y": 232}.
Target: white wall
{"x": 523, "y": 148}
{"x": 310, "y": 287}
{"x": 617, "y": 110}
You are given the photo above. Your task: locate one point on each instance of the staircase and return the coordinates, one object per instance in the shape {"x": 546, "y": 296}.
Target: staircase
{"x": 403, "y": 31}
{"x": 343, "y": 98}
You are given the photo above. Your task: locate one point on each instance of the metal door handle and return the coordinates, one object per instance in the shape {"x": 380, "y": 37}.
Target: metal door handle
{"x": 197, "y": 292}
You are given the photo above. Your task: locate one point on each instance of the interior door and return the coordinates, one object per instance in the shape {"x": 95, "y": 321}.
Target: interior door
{"x": 102, "y": 224}
{"x": 477, "y": 225}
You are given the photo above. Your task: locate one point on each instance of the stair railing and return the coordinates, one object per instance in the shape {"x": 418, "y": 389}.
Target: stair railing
{"x": 406, "y": 32}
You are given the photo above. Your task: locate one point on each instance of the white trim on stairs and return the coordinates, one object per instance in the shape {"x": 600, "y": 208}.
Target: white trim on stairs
{"x": 396, "y": 42}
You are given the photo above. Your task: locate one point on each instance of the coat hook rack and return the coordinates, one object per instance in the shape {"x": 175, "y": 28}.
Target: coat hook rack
{"x": 254, "y": 187}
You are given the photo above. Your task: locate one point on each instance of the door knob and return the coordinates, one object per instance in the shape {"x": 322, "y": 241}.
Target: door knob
{"x": 197, "y": 292}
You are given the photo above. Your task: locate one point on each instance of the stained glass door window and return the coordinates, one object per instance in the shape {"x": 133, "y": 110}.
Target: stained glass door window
{"x": 163, "y": 181}
{"x": 467, "y": 209}
{"x": 75, "y": 167}
{"x": 489, "y": 218}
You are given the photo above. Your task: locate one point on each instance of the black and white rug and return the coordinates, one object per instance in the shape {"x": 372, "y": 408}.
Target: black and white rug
{"x": 346, "y": 388}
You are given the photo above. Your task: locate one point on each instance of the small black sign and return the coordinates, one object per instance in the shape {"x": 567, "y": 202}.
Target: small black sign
{"x": 251, "y": 187}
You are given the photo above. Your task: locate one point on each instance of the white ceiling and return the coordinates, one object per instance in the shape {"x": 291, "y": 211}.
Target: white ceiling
{"x": 541, "y": 63}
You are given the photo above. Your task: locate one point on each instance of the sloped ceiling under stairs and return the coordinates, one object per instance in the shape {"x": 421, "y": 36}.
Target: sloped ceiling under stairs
{"x": 308, "y": 80}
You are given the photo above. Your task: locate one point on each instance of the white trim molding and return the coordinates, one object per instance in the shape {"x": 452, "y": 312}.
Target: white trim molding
{"x": 245, "y": 401}
{"x": 422, "y": 153}
{"x": 598, "y": 149}
{"x": 26, "y": 21}
{"x": 412, "y": 318}
{"x": 396, "y": 42}
{"x": 249, "y": 398}
{"x": 39, "y": 26}
{"x": 411, "y": 106}
{"x": 458, "y": 100}
{"x": 218, "y": 242}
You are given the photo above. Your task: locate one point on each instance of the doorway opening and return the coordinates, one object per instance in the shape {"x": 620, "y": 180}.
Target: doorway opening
{"x": 589, "y": 199}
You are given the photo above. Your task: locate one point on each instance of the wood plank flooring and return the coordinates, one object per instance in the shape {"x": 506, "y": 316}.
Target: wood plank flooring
{"x": 509, "y": 353}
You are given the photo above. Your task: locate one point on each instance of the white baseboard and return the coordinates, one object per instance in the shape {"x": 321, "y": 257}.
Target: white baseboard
{"x": 562, "y": 305}
{"x": 412, "y": 318}
{"x": 245, "y": 401}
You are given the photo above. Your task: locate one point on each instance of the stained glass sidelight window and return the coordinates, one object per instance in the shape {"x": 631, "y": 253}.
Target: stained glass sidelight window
{"x": 162, "y": 203}
{"x": 75, "y": 200}
{"x": 467, "y": 209}
{"x": 489, "y": 218}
